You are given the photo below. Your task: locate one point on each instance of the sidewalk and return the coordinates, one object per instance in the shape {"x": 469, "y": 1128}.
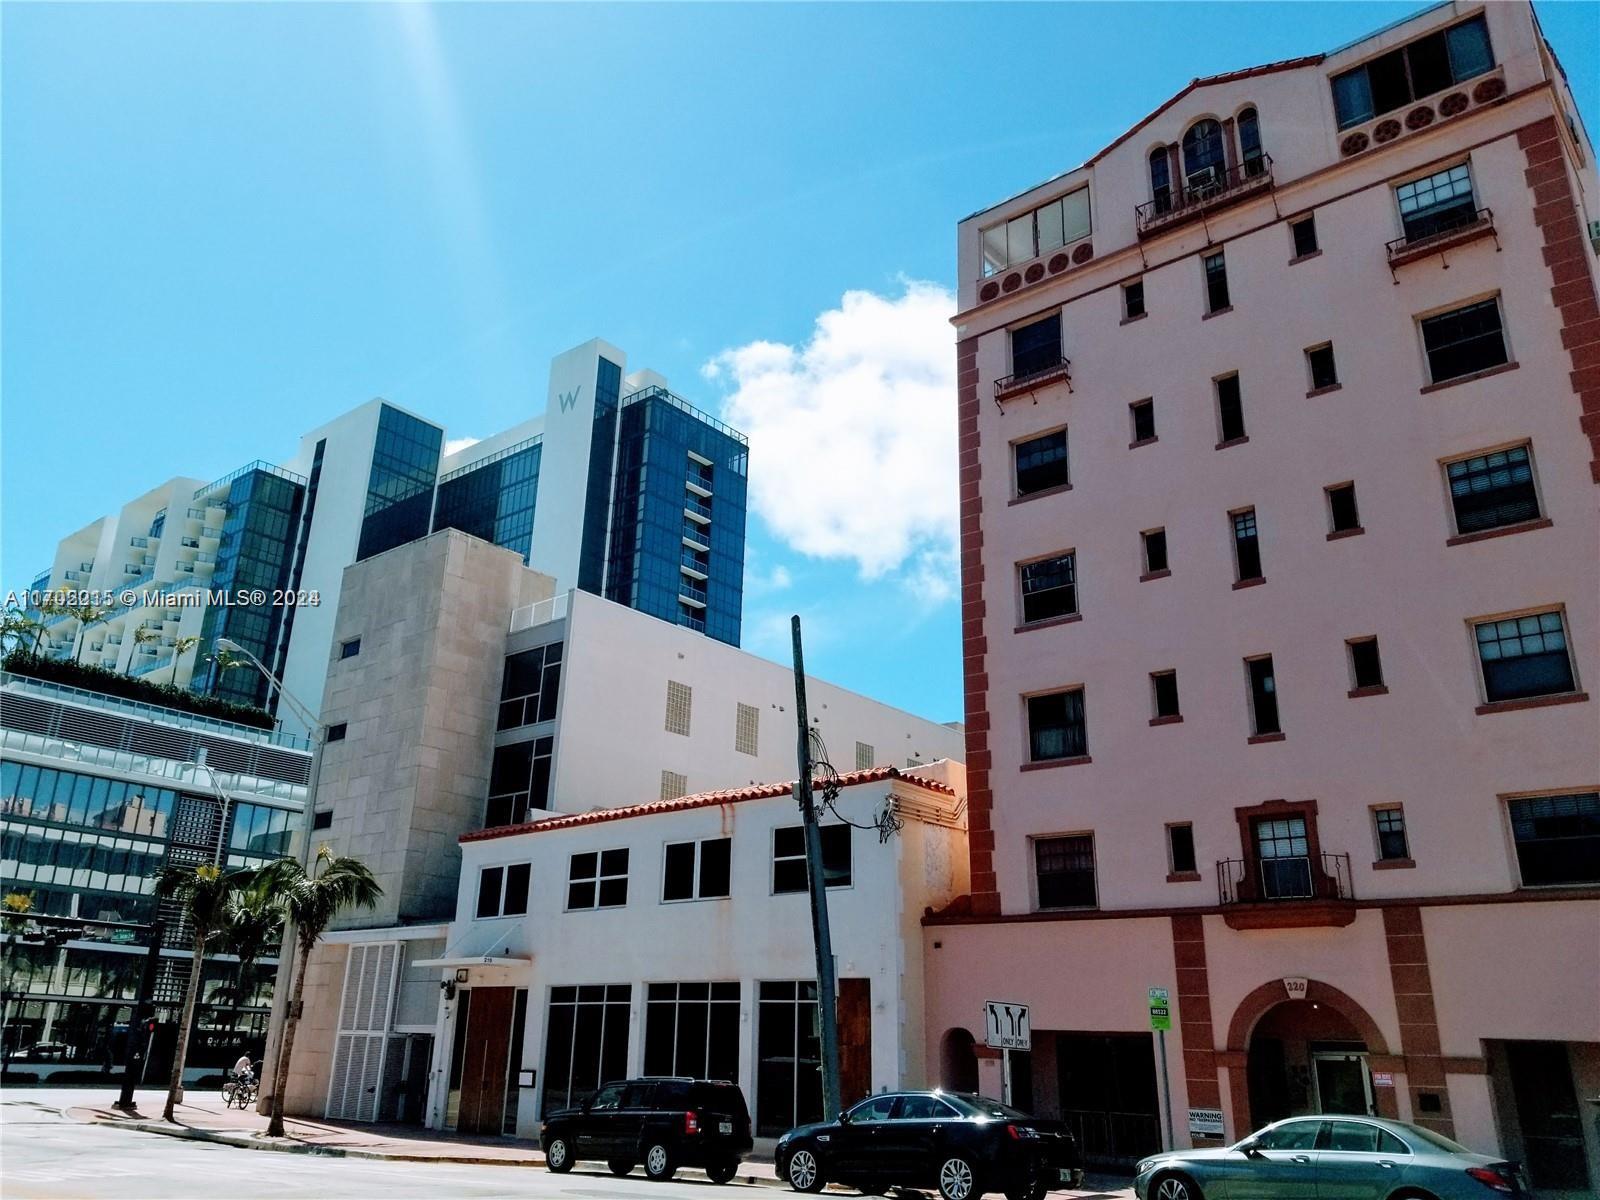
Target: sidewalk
{"x": 202, "y": 1117}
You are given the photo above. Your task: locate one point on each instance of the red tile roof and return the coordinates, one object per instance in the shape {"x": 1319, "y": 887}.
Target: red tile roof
{"x": 756, "y": 791}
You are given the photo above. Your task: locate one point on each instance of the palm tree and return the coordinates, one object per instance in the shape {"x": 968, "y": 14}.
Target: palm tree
{"x": 17, "y": 628}
{"x": 87, "y": 615}
{"x": 254, "y": 916}
{"x": 203, "y": 893}
{"x": 179, "y": 648}
{"x": 311, "y": 900}
{"x": 144, "y": 635}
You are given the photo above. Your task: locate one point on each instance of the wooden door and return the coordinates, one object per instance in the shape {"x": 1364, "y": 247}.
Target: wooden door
{"x": 486, "y": 1060}
{"x": 855, "y": 1040}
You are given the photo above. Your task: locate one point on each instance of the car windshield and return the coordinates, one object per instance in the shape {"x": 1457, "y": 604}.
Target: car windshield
{"x": 1437, "y": 1140}
{"x": 982, "y": 1106}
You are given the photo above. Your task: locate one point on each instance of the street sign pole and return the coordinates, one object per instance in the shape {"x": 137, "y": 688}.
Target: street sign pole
{"x": 1160, "y": 1022}
{"x": 1005, "y": 1077}
{"x": 138, "y": 1049}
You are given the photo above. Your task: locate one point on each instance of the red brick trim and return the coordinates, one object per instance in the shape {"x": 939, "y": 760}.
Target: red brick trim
{"x": 1569, "y": 262}
{"x": 980, "y": 798}
{"x": 1419, "y": 1021}
{"x": 1483, "y": 535}
{"x": 1195, "y": 1029}
{"x": 1462, "y": 1065}
{"x": 1353, "y": 531}
{"x": 1076, "y": 761}
{"x": 1393, "y": 864}
{"x": 1472, "y": 378}
{"x": 1501, "y": 706}
{"x": 1183, "y": 877}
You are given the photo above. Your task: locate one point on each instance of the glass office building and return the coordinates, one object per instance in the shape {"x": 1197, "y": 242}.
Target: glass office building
{"x": 405, "y": 469}
{"x": 493, "y": 498}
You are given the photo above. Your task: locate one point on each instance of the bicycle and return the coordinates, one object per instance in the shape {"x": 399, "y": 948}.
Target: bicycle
{"x": 241, "y": 1089}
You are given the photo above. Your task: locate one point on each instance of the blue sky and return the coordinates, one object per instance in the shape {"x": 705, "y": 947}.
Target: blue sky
{"x": 224, "y": 223}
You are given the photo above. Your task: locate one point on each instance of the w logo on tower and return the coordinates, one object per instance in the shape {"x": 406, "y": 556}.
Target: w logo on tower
{"x": 568, "y": 399}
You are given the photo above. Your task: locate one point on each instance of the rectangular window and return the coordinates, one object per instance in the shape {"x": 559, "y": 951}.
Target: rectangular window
{"x": 1056, "y": 726}
{"x": 1389, "y": 827}
{"x": 1319, "y": 359}
{"x": 697, "y": 870}
{"x": 1164, "y": 691}
{"x": 691, "y": 1030}
{"x": 1488, "y": 491}
{"x": 598, "y": 879}
{"x": 1155, "y": 550}
{"x": 1143, "y": 413}
{"x": 1230, "y": 409}
{"x": 1524, "y": 656}
{"x": 1036, "y": 348}
{"x": 322, "y": 819}
{"x": 1064, "y": 869}
{"x": 503, "y": 891}
{"x": 350, "y": 648}
{"x": 1041, "y": 463}
{"x": 866, "y": 756}
{"x": 1049, "y": 588}
{"x": 746, "y": 729}
{"x": 528, "y": 687}
{"x": 585, "y": 1043}
{"x": 1436, "y": 203}
{"x": 1557, "y": 838}
{"x": 1246, "y": 545}
{"x": 1046, "y": 228}
{"x": 680, "y": 697}
{"x": 1304, "y": 233}
{"x": 1464, "y": 340}
{"x": 519, "y": 781}
{"x": 1133, "y": 300}
{"x": 1180, "y": 849}
{"x": 1263, "y": 695}
{"x": 1216, "y": 282}
{"x": 789, "y": 857}
{"x": 1366, "y": 668}
{"x": 1342, "y": 514}
{"x": 1283, "y": 854}
{"x": 673, "y": 785}
{"x": 337, "y": 733}
{"x": 1430, "y": 64}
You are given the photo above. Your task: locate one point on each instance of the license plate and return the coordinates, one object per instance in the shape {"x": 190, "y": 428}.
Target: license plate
{"x": 1065, "y": 1175}
{"x": 725, "y": 1127}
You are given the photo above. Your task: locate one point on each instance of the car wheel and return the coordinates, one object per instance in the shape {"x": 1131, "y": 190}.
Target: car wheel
{"x": 722, "y": 1170}
{"x": 619, "y": 1166}
{"x": 658, "y": 1162}
{"x": 805, "y": 1172}
{"x": 957, "y": 1179}
{"x": 1175, "y": 1187}
{"x": 558, "y": 1155}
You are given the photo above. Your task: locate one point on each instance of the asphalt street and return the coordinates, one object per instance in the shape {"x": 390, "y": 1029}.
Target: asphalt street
{"x": 43, "y": 1156}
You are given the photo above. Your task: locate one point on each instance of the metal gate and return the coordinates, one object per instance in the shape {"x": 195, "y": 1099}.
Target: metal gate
{"x": 365, "y": 1011}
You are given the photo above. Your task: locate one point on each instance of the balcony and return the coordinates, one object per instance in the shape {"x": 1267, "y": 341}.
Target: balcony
{"x": 1472, "y": 225}
{"x": 692, "y": 592}
{"x": 196, "y": 514}
{"x": 1035, "y": 376}
{"x": 139, "y": 543}
{"x": 695, "y": 536}
{"x": 696, "y": 509}
{"x": 696, "y": 566}
{"x": 1289, "y": 892}
{"x": 1205, "y": 192}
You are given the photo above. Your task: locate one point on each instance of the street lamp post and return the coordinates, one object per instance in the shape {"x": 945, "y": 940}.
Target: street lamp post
{"x": 286, "y": 954}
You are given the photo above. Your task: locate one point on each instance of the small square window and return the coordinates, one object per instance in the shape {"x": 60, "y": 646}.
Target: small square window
{"x": 1216, "y": 271}
{"x": 322, "y": 819}
{"x": 1180, "y": 849}
{"x": 349, "y": 649}
{"x": 1389, "y": 827}
{"x": 336, "y": 733}
{"x": 1164, "y": 691}
{"x": 1366, "y": 668}
{"x": 1133, "y": 300}
{"x": 1155, "y": 550}
{"x": 1323, "y": 372}
{"x": 1230, "y": 409}
{"x": 1304, "y": 232}
{"x": 1342, "y": 514}
{"x": 1143, "y": 413}
{"x": 789, "y": 857}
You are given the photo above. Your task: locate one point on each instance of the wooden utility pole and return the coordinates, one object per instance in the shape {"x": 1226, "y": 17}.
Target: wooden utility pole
{"x": 804, "y": 796}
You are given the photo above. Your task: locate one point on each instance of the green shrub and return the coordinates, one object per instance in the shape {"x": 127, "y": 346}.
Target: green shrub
{"x": 131, "y": 687}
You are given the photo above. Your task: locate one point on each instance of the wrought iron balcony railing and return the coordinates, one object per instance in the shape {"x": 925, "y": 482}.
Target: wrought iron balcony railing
{"x": 1034, "y": 375}
{"x": 1283, "y": 879}
{"x": 1470, "y": 225}
{"x": 1213, "y": 188}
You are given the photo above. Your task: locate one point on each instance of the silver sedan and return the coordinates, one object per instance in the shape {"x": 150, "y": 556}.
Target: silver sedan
{"x": 1332, "y": 1158}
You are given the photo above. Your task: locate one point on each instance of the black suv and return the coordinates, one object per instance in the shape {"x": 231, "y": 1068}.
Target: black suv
{"x": 964, "y": 1145}
{"x": 665, "y": 1123}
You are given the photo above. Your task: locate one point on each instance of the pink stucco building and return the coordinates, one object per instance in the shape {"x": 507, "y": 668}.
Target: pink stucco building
{"x": 1280, "y": 444}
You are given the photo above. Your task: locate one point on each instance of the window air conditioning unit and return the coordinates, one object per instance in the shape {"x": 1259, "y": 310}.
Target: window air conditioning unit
{"x": 1205, "y": 182}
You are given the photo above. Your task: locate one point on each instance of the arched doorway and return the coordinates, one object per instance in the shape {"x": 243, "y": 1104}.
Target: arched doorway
{"x": 958, "y": 1061}
{"x": 1306, "y": 1058}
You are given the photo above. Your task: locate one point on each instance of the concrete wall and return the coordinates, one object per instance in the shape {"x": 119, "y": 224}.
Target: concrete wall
{"x": 418, "y": 704}
{"x": 307, "y": 1094}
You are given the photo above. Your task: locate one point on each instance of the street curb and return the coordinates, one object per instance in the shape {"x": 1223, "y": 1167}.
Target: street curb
{"x": 290, "y": 1146}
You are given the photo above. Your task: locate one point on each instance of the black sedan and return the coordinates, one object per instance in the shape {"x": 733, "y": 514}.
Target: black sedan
{"x": 964, "y": 1145}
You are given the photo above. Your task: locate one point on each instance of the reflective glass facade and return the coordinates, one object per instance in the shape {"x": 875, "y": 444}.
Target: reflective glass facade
{"x": 597, "y": 494}
{"x": 493, "y": 500}
{"x": 405, "y": 467}
{"x": 257, "y": 551}
{"x": 675, "y": 465}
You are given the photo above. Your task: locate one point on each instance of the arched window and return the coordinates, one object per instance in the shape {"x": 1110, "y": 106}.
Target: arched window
{"x": 1202, "y": 152}
{"x": 1250, "y": 153}
{"x": 1160, "y": 180}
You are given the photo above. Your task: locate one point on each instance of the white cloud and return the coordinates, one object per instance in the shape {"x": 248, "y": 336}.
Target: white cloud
{"x": 853, "y": 435}
{"x": 764, "y": 583}
{"x": 457, "y": 445}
